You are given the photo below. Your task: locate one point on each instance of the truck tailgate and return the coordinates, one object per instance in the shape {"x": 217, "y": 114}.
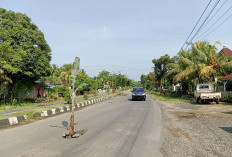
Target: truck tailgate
{"x": 211, "y": 95}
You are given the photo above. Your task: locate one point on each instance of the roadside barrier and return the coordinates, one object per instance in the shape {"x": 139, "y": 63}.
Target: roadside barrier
{"x": 17, "y": 120}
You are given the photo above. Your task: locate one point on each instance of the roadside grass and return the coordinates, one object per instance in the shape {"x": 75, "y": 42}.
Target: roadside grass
{"x": 168, "y": 98}
{"x": 3, "y": 117}
{"x": 6, "y": 107}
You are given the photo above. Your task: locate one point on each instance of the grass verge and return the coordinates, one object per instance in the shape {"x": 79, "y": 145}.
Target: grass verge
{"x": 168, "y": 98}
{"x": 24, "y": 105}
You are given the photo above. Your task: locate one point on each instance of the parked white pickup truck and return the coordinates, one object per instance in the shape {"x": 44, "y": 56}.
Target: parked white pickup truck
{"x": 205, "y": 93}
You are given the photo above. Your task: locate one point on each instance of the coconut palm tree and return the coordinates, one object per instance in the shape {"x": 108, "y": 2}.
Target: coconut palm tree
{"x": 201, "y": 63}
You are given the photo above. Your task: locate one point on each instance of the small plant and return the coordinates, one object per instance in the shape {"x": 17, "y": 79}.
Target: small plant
{"x": 86, "y": 96}
{"x": 14, "y": 101}
{"x": 94, "y": 92}
{"x": 67, "y": 96}
{"x": 38, "y": 100}
{"x": 108, "y": 91}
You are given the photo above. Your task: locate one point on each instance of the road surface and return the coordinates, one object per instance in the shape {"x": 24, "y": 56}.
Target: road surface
{"x": 115, "y": 128}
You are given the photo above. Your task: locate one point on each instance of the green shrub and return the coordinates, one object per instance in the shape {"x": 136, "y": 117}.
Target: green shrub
{"x": 94, "y": 92}
{"x": 108, "y": 91}
{"x": 67, "y": 96}
{"x": 38, "y": 100}
{"x": 86, "y": 96}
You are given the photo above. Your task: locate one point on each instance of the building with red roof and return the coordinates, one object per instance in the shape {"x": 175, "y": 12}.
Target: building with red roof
{"x": 226, "y": 79}
{"x": 226, "y": 51}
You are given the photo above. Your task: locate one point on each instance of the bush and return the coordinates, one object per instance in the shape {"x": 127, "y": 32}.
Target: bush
{"x": 86, "y": 96}
{"x": 38, "y": 100}
{"x": 94, "y": 92}
{"x": 67, "y": 96}
{"x": 108, "y": 91}
{"x": 228, "y": 98}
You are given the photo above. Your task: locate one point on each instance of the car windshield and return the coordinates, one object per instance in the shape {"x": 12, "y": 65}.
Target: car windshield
{"x": 204, "y": 87}
{"x": 138, "y": 89}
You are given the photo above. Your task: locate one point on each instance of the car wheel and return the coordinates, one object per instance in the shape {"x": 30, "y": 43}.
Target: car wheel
{"x": 144, "y": 99}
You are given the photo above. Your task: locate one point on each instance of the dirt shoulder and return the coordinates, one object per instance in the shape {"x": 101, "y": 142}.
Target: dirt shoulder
{"x": 196, "y": 130}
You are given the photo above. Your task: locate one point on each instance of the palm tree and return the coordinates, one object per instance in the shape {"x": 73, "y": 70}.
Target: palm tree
{"x": 201, "y": 63}
{"x": 66, "y": 72}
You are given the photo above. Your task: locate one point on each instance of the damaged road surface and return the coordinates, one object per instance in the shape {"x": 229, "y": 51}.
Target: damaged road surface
{"x": 115, "y": 128}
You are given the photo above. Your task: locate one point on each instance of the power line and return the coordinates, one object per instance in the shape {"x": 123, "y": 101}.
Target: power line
{"x": 216, "y": 21}
{"x": 214, "y": 15}
{"x": 219, "y": 25}
{"x": 215, "y": 5}
{"x": 196, "y": 24}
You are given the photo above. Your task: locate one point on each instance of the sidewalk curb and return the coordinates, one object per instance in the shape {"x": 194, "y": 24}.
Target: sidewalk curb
{"x": 16, "y": 120}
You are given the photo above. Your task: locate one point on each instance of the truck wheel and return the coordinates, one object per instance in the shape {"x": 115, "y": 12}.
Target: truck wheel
{"x": 197, "y": 100}
{"x": 217, "y": 101}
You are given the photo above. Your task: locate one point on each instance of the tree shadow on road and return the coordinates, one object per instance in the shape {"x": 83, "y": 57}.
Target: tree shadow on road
{"x": 227, "y": 112}
{"x": 227, "y": 129}
{"x": 65, "y": 125}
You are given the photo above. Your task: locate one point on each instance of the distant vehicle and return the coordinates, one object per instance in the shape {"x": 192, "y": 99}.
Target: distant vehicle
{"x": 138, "y": 93}
{"x": 205, "y": 93}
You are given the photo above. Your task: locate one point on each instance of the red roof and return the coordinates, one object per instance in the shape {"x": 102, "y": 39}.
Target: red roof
{"x": 226, "y": 51}
{"x": 49, "y": 82}
{"x": 227, "y": 77}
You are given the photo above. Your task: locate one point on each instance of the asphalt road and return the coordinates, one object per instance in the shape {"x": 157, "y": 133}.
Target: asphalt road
{"x": 115, "y": 128}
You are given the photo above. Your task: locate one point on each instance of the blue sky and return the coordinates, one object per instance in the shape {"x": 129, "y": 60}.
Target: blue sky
{"x": 116, "y": 35}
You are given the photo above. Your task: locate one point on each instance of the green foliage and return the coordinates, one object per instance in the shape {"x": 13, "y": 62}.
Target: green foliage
{"x": 160, "y": 66}
{"x": 104, "y": 77}
{"x": 94, "y": 92}
{"x": 38, "y": 100}
{"x": 22, "y": 87}
{"x": 86, "y": 96}
{"x": 200, "y": 64}
{"x": 228, "y": 98}
{"x": 24, "y": 52}
{"x": 67, "y": 95}
{"x": 149, "y": 81}
{"x": 14, "y": 102}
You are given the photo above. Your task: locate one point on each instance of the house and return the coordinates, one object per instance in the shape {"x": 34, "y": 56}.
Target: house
{"x": 226, "y": 51}
{"x": 31, "y": 90}
{"x": 226, "y": 82}
{"x": 226, "y": 87}
{"x": 226, "y": 79}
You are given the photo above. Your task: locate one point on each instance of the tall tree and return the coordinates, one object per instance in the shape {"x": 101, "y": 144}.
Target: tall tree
{"x": 24, "y": 51}
{"x": 160, "y": 68}
{"x": 200, "y": 63}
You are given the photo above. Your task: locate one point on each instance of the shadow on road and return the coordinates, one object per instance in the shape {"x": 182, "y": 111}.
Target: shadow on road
{"x": 227, "y": 129}
{"x": 135, "y": 100}
{"x": 227, "y": 112}
{"x": 65, "y": 125}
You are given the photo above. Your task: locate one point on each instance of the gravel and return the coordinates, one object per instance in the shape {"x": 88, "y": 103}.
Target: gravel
{"x": 190, "y": 131}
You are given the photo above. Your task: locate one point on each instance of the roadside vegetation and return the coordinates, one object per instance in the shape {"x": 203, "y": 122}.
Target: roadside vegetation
{"x": 28, "y": 79}
{"x": 43, "y": 107}
{"x": 180, "y": 74}
{"x": 168, "y": 97}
